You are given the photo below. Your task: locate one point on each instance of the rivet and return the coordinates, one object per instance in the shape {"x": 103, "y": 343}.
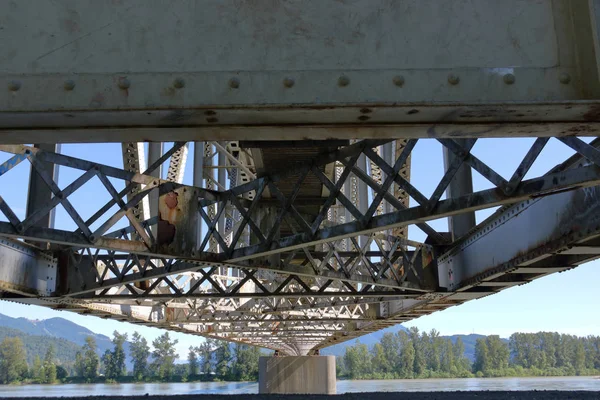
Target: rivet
{"x": 92, "y": 238}
{"x": 179, "y": 83}
{"x": 343, "y": 81}
{"x": 212, "y": 120}
{"x": 398, "y": 80}
{"x": 13, "y": 86}
{"x": 234, "y": 83}
{"x": 453, "y": 79}
{"x": 288, "y": 82}
{"x": 69, "y": 85}
{"x": 364, "y": 118}
{"x": 509, "y": 79}
{"x": 124, "y": 83}
{"x": 564, "y": 78}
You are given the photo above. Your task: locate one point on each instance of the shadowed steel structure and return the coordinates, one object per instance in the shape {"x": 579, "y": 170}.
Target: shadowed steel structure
{"x": 304, "y": 115}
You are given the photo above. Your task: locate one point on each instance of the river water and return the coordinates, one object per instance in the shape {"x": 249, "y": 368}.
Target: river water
{"x": 414, "y": 385}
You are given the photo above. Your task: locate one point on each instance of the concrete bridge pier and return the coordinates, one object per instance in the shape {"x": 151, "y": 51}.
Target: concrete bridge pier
{"x": 297, "y": 375}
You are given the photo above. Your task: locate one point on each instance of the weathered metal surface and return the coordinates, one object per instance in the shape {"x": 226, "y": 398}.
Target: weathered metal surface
{"x": 101, "y": 63}
{"x": 25, "y": 270}
{"x": 543, "y": 224}
{"x": 178, "y": 218}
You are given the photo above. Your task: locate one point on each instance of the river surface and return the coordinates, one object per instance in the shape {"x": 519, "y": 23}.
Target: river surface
{"x": 412, "y": 385}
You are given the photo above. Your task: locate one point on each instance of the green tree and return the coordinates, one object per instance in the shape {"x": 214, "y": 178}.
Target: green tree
{"x": 482, "y": 362}
{"x": 447, "y": 356}
{"x": 498, "y": 352}
{"x": 140, "y": 351}
{"x": 579, "y": 358}
{"x": 61, "y": 372}
{"x": 379, "y": 361}
{"x": 245, "y": 365}
{"x": 37, "y": 370}
{"x": 91, "y": 360}
{"x": 107, "y": 362}
{"x": 420, "y": 357}
{"x": 205, "y": 351}
{"x": 79, "y": 364}
{"x": 434, "y": 350}
{"x": 222, "y": 359}
{"x": 460, "y": 361}
{"x": 192, "y": 362}
{"x": 13, "y": 360}
{"x": 49, "y": 366}
{"x": 163, "y": 356}
{"x": 407, "y": 355}
{"x": 358, "y": 360}
{"x": 114, "y": 361}
{"x": 391, "y": 349}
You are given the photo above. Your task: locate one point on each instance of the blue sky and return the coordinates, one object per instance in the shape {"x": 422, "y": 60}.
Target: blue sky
{"x": 564, "y": 302}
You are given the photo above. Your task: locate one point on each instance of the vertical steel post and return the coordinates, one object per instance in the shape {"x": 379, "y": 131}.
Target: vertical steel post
{"x": 39, "y": 194}
{"x": 363, "y": 193}
{"x": 387, "y": 155}
{"x": 198, "y": 180}
{"x": 155, "y": 151}
{"x": 222, "y": 179}
{"x": 461, "y": 184}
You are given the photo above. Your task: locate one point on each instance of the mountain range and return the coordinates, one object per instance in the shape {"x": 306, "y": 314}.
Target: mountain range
{"x": 68, "y": 337}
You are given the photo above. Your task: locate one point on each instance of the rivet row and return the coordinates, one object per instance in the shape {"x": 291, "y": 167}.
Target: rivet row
{"x": 288, "y": 82}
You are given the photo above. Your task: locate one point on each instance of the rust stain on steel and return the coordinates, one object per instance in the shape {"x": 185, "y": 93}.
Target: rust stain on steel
{"x": 168, "y": 219}
{"x": 593, "y": 114}
{"x": 171, "y": 200}
{"x": 177, "y": 221}
{"x": 166, "y": 232}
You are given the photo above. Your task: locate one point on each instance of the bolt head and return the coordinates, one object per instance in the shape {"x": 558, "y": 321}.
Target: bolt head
{"x": 564, "y": 78}
{"x": 398, "y": 80}
{"x": 14, "y": 86}
{"x": 234, "y": 83}
{"x": 288, "y": 82}
{"x": 179, "y": 83}
{"x": 453, "y": 79}
{"x": 69, "y": 85}
{"x": 92, "y": 238}
{"x": 343, "y": 81}
{"x": 509, "y": 79}
{"x": 124, "y": 83}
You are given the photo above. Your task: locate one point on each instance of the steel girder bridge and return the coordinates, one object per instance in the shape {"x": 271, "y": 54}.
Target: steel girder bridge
{"x": 292, "y": 233}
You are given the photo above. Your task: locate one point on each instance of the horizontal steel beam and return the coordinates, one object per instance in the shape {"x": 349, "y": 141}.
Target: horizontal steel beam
{"x": 341, "y": 131}
{"x": 520, "y": 236}
{"x": 116, "y": 298}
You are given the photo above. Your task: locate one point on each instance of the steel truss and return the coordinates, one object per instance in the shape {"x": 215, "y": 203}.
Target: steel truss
{"x": 248, "y": 260}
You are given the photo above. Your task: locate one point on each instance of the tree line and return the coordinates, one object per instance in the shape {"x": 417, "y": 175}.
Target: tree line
{"x": 414, "y": 354}
{"x": 212, "y": 360}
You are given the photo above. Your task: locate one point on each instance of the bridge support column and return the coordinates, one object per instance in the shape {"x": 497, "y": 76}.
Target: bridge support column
{"x": 297, "y": 375}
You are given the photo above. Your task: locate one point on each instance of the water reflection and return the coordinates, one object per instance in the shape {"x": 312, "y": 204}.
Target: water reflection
{"x": 417, "y": 385}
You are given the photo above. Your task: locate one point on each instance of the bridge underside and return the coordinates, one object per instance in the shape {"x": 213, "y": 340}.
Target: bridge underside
{"x": 301, "y": 222}
{"x": 293, "y": 260}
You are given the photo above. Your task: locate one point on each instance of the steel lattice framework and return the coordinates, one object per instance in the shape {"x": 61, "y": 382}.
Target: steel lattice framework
{"x": 294, "y": 281}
